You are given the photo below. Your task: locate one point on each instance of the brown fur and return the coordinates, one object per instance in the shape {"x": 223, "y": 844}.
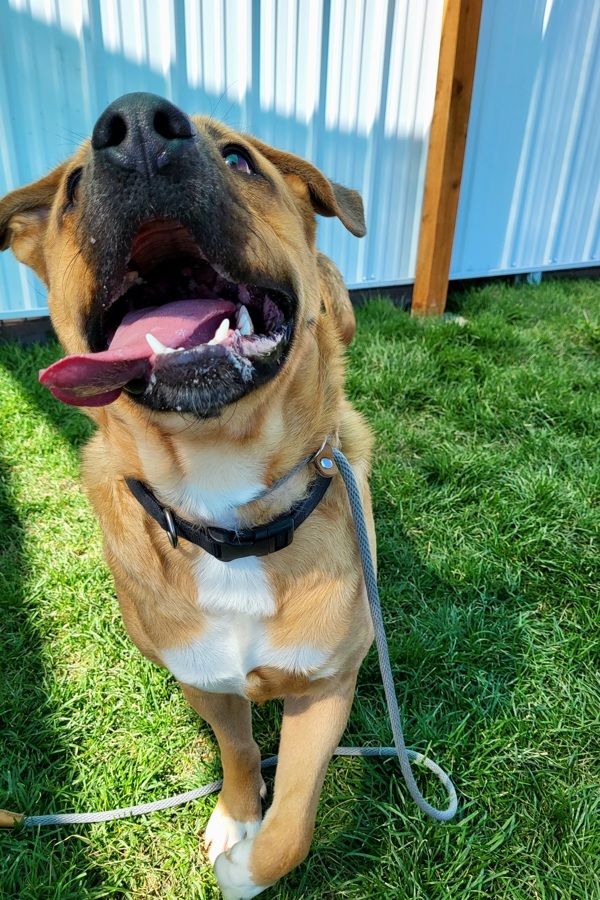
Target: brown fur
{"x": 336, "y": 299}
{"x": 317, "y": 584}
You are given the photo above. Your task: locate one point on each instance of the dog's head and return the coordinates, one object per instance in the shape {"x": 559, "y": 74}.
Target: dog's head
{"x": 179, "y": 258}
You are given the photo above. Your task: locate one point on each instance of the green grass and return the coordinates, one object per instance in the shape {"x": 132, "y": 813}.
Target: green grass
{"x": 486, "y": 489}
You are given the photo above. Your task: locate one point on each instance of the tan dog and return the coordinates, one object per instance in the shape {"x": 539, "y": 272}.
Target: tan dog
{"x": 186, "y": 289}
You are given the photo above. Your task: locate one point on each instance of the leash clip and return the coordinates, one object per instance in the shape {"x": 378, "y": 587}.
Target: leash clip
{"x": 325, "y": 462}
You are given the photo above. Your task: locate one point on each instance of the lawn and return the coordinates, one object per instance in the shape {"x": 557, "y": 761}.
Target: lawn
{"x": 486, "y": 488}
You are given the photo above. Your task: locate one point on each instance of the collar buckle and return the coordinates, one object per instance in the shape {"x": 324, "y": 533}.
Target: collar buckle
{"x": 254, "y": 542}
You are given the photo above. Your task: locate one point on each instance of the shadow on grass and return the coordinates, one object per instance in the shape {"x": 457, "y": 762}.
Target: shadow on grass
{"x": 23, "y": 365}
{"x": 34, "y": 759}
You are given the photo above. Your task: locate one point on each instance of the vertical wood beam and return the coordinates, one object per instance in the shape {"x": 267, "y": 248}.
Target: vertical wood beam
{"x": 456, "y": 70}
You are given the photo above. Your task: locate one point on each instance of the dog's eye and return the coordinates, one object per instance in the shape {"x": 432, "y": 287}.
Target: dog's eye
{"x": 237, "y": 159}
{"x": 73, "y": 186}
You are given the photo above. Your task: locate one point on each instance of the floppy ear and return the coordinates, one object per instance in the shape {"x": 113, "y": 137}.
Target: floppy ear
{"x": 327, "y": 197}
{"x": 24, "y": 217}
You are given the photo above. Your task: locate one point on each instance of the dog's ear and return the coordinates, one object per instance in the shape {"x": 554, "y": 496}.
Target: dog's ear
{"x": 24, "y": 217}
{"x": 327, "y": 197}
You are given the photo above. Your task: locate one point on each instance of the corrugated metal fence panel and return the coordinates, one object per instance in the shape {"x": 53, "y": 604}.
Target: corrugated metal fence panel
{"x": 348, "y": 84}
{"x": 530, "y": 197}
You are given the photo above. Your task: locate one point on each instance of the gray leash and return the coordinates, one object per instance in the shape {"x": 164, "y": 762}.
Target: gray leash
{"x": 441, "y": 815}
{"x": 398, "y": 750}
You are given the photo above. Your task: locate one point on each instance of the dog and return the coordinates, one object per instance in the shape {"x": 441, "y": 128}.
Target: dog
{"x": 204, "y": 336}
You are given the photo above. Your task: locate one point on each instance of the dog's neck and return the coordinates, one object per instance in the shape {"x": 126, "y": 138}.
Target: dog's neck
{"x": 205, "y": 482}
{"x": 213, "y": 472}
{"x": 216, "y": 476}
{"x": 229, "y": 485}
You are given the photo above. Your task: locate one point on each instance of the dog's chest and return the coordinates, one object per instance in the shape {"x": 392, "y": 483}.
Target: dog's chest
{"x": 236, "y": 603}
{"x": 235, "y": 600}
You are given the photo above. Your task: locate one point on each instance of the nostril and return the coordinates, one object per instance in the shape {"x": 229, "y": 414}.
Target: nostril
{"x": 110, "y": 131}
{"x": 172, "y": 124}
{"x": 162, "y": 125}
{"x": 116, "y": 131}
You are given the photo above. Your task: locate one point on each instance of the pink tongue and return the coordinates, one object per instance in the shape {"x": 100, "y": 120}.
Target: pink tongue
{"x": 95, "y": 379}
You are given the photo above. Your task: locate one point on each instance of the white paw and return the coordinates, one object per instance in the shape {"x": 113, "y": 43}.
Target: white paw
{"x": 222, "y": 832}
{"x": 233, "y": 873}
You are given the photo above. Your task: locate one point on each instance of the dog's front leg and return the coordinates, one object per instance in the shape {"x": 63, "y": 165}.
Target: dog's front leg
{"x": 237, "y": 814}
{"x": 311, "y": 730}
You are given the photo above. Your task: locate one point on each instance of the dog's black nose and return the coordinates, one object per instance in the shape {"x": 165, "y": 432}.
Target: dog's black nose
{"x": 142, "y": 132}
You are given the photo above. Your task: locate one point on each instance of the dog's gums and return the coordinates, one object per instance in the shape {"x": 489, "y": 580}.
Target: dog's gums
{"x": 177, "y": 316}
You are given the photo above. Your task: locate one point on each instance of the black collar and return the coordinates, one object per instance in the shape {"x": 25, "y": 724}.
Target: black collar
{"x": 227, "y": 545}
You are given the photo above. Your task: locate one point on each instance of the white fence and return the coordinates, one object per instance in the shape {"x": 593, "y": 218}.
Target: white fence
{"x": 347, "y": 83}
{"x": 530, "y": 197}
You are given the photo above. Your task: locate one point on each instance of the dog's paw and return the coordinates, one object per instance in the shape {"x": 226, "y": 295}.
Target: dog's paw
{"x": 233, "y": 872}
{"x": 222, "y": 832}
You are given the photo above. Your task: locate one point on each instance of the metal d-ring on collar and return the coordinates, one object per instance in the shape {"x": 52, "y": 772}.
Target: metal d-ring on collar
{"x": 170, "y": 527}
{"x": 225, "y": 544}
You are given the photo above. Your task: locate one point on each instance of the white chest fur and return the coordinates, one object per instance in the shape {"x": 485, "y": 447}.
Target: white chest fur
{"x": 209, "y": 484}
{"x": 235, "y": 599}
{"x": 236, "y": 603}
{"x": 232, "y": 646}
{"x": 239, "y": 586}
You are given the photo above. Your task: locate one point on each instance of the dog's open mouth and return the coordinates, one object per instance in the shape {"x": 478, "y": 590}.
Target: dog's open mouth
{"x": 178, "y": 334}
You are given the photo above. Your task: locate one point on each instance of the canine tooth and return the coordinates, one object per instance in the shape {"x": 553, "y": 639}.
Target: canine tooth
{"x": 131, "y": 278}
{"x": 157, "y": 346}
{"x": 244, "y": 322}
{"x": 221, "y": 333}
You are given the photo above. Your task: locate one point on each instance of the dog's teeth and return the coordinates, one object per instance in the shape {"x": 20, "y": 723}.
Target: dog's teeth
{"x": 131, "y": 278}
{"x": 221, "y": 333}
{"x": 157, "y": 346}
{"x": 244, "y": 322}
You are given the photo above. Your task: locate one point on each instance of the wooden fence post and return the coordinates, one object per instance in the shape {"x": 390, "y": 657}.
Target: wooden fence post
{"x": 456, "y": 70}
